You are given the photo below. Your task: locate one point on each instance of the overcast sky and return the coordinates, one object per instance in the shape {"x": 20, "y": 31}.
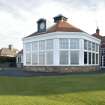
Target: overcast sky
{"x": 18, "y": 17}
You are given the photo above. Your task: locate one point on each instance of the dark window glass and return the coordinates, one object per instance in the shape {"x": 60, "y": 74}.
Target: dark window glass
{"x": 96, "y": 58}
{"x": 89, "y": 58}
{"x": 93, "y": 58}
{"x": 85, "y": 57}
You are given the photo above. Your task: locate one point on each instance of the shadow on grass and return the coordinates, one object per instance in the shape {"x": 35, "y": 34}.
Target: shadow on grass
{"x": 51, "y": 85}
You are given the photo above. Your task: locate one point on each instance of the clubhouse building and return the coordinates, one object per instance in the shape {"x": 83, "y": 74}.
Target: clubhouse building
{"x": 60, "y": 48}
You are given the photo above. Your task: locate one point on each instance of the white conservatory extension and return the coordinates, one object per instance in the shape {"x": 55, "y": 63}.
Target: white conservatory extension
{"x": 62, "y": 45}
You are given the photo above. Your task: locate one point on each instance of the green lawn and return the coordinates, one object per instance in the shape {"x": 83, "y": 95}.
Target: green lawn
{"x": 81, "y": 89}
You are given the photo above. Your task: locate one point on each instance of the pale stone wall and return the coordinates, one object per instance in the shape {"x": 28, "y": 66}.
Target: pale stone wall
{"x": 61, "y": 68}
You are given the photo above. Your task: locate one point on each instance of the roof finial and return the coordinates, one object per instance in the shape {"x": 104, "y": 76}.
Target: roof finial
{"x": 98, "y": 31}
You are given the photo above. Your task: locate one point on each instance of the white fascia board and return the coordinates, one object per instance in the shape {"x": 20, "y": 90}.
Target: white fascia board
{"x": 81, "y": 35}
{"x": 55, "y": 35}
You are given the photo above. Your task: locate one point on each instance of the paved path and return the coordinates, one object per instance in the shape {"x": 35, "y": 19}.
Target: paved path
{"x": 22, "y": 73}
{"x": 26, "y": 73}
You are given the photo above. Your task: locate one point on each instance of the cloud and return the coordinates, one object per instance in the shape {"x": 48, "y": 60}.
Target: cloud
{"x": 82, "y": 3}
{"x": 18, "y": 17}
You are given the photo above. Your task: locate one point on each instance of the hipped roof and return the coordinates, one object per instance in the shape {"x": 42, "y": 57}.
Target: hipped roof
{"x": 61, "y": 26}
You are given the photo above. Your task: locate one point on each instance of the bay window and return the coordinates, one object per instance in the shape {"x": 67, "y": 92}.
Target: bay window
{"x": 91, "y": 53}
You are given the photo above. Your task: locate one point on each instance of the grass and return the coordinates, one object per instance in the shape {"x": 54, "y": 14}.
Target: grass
{"x": 81, "y": 89}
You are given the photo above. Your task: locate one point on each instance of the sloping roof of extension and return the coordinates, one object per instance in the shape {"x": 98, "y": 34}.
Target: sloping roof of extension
{"x": 61, "y": 26}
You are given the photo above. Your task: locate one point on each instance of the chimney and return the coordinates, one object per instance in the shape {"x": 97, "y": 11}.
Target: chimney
{"x": 59, "y": 18}
{"x": 97, "y": 31}
{"x": 10, "y": 47}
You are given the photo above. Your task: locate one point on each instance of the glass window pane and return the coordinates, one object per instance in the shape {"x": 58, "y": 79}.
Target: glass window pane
{"x": 74, "y": 43}
{"x": 35, "y": 58}
{"x": 93, "y": 58}
{"x": 89, "y": 57}
{"x": 41, "y": 57}
{"x": 85, "y": 57}
{"x": 74, "y": 55}
{"x": 85, "y": 44}
{"x": 28, "y": 58}
{"x": 89, "y": 45}
{"x": 49, "y": 44}
{"x": 34, "y": 46}
{"x": 97, "y": 58}
{"x": 49, "y": 56}
{"x": 63, "y": 43}
{"x": 93, "y": 46}
{"x": 42, "y": 45}
{"x": 97, "y": 47}
{"x": 63, "y": 57}
{"x": 28, "y": 47}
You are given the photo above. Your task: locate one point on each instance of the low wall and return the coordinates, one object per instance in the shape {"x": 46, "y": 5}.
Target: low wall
{"x": 61, "y": 68}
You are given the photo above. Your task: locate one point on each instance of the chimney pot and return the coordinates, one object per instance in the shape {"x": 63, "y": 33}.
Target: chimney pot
{"x": 10, "y": 47}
